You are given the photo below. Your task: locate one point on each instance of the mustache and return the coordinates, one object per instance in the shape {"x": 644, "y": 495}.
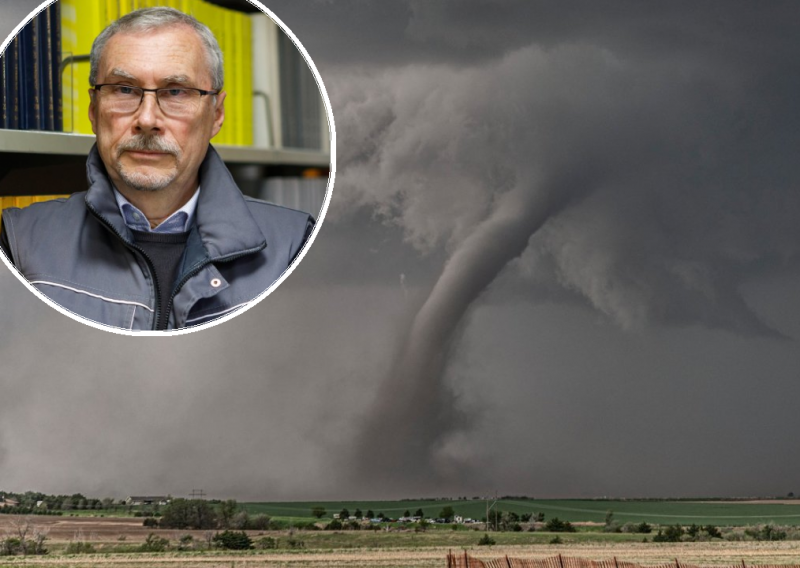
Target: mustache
{"x": 148, "y": 143}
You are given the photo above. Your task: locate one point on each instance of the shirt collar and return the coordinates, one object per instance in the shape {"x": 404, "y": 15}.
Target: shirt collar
{"x": 179, "y": 222}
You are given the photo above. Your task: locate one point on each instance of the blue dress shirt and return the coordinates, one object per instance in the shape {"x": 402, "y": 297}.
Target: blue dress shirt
{"x": 178, "y": 222}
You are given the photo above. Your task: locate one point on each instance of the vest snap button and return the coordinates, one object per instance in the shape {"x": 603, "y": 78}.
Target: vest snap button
{"x": 216, "y": 283}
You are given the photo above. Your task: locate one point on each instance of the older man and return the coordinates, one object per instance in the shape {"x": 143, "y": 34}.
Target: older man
{"x": 163, "y": 238}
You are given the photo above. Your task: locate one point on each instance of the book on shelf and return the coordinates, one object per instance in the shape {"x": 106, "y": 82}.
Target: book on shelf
{"x": 30, "y": 111}
{"x": 3, "y": 106}
{"x": 244, "y": 74}
{"x": 5, "y": 81}
{"x": 264, "y": 81}
{"x": 11, "y": 84}
{"x": 50, "y": 58}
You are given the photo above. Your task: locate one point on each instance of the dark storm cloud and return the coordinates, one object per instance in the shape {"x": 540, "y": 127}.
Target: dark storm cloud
{"x": 690, "y": 186}
{"x": 401, "y": 32}
{"x": 619, "y": 178}
{"x": 235, "y": 410}
{"x": 674, "y": 166}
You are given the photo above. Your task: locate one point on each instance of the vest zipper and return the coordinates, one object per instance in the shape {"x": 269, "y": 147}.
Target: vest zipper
{"x": 197, "y": 268}
{"x": 150, "y": 265}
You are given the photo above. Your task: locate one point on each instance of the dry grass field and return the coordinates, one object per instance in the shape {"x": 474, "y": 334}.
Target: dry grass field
{"x": 92, "y": 529}
{"x": 107, "y": 533}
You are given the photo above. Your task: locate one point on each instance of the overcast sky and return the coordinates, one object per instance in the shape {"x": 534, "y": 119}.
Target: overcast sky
{"x": 561, "y": 259}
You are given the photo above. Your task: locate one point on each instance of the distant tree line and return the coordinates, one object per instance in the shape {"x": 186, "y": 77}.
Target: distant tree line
{"x": 33, "y": 502}
{"x": 677, "y": 533}
{"x": 27, "y": 511}
{"x": 197, "y": 514}
{"x": 694, "y": 533}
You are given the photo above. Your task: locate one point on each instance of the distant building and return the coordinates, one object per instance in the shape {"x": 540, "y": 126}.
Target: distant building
{"x": 8, "y": 502}
{"x": 147, "y": 500}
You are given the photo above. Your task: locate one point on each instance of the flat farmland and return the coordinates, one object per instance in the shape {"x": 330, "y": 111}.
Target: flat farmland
{"x": 722, "y": 513}
{"x": 85, "y": 528}
{"x": 110, "y": 534}
{"x": 116, "y": 540}
{"x": 709, "y": 554}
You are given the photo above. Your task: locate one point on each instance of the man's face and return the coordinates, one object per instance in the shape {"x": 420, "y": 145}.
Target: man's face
{"x": 148, "y": 150}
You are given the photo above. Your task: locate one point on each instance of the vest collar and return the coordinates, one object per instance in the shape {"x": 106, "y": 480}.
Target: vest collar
{"x": 223, "y": 220}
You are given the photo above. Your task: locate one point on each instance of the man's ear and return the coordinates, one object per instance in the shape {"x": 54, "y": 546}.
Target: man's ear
{"x": 219, "y": 113}
{"x": 93, "y": 109}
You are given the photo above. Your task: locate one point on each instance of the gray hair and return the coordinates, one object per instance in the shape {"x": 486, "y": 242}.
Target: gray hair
{"x": 149, "y": 19}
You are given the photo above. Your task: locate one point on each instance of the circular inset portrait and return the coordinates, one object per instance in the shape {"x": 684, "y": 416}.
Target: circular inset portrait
{"x": 164, "y": 164}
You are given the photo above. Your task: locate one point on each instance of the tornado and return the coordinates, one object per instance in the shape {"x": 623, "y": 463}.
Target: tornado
{"x": 415, "y": 410}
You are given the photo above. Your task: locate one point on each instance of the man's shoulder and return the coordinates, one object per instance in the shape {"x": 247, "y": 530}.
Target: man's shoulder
{"x": 278, "y": 218}
{"x": 45, "y": 210}
{"x": 43, "y": 227}
{"x": 261, "y": 207}
{"x": 45, "y": 219}
{"x": 283, "y": 228}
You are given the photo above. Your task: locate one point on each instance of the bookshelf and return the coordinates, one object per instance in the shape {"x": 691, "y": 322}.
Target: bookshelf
{"x": 37, "y": 162}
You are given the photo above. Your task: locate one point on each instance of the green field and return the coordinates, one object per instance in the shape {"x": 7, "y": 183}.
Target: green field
{"x": 574, "y": 510}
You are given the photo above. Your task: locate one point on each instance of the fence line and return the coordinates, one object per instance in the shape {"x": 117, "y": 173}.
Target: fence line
{"x": 466, "y": 561}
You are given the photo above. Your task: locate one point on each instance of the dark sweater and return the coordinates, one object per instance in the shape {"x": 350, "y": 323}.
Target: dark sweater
{"x": 165, "y": 250}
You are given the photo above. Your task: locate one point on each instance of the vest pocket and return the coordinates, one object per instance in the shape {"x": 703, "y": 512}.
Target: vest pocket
{"x": 96, "y": 305}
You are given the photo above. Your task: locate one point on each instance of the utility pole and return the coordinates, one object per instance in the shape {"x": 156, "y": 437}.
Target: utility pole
{"x": 198, "y": 494}
{"x": 495, "y": 515}
{"x": 489, "y": 508}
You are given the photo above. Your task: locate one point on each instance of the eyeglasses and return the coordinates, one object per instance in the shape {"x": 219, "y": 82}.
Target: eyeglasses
{"x": 174, "y": 101}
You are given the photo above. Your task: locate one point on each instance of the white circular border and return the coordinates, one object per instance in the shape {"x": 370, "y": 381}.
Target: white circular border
{"x": 289, "y": 269}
